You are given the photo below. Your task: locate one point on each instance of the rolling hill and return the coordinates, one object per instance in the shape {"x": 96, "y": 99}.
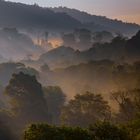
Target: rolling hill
{"x": 31, "y": 17}
{"x": 99, "y": 22}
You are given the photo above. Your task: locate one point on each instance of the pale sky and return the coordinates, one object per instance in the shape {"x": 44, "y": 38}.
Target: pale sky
{"x": 126, "y": 10}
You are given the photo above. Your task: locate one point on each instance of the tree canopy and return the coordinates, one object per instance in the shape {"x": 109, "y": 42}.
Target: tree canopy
{"x": 85, "y": 109}
{"x": 26, "y": 98}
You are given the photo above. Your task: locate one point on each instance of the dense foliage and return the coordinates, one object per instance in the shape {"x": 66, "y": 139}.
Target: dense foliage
{"x": 99, "y": 131}
{"x": 47, "y": 132}
{"x": 85, "y": 109}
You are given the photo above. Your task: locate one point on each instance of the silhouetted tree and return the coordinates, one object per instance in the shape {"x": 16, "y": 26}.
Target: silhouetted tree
{"x": 26, "y": 99}
{"x": 85, "y": 109}
{"x": 129, "y": 104}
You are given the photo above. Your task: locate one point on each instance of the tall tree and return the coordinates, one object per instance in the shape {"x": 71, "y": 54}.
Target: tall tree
{"x": 128, "y": 103}
{"x": 26, "y": 98}
{"x": 85, "y": 109}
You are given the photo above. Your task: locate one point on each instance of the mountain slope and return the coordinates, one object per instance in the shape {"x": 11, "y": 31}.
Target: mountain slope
{"x": 32, "y": 16}
{"x": 57, "y": 19}
{"x": 101, "y": 21}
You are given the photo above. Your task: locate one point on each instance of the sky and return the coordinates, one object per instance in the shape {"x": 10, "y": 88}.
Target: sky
{"x": 126, "y": 10}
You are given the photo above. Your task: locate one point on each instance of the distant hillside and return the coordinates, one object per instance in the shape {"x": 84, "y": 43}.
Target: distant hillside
{"x": 99, "y": 22}
{"x": 32, "y": 16}
{"x": 118, "y": 50}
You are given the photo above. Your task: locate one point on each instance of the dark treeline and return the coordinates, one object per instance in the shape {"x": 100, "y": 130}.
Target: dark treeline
{"x": 99, "y": 131}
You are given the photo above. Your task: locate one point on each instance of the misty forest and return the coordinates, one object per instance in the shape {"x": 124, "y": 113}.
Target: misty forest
{"x": 66, "y": 74}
